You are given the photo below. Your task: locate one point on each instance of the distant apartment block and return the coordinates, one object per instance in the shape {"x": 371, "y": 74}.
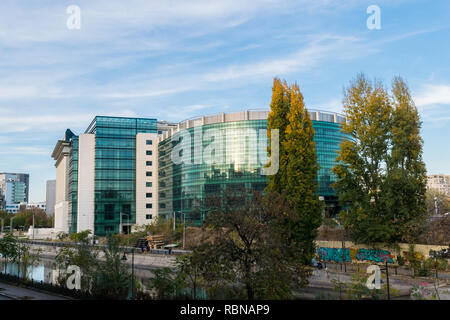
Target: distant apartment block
{"x": 439, "y": 183}
{"x": 14, "y": 189}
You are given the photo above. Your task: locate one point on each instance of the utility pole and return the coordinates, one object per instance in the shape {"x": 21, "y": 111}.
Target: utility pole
{"x": 11, "y": 224}
{"x": 174, "y": 221}
{"x": 387, "y": 280}
{"x": 132, "y": 274}
{"x": 120, "y": 223}
{"x": 184, "y": 229}
{"x": 3, "y": 221}
{"x": 33, "y": 226}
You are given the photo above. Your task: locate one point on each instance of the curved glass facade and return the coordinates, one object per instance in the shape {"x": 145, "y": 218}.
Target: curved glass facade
{"x": 231, "y": 156}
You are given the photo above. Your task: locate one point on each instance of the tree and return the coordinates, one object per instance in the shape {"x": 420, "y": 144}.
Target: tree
{"x": 9, "y": 248}
{"x": 164, "y": 283}
{"x": 81, "y": 255}
{"x": 406, "y": 174}
{"x": 297, "y": 175}
{"x": 245, "y": 247}
{"x": 302, "y": 180}
{"x": 435, "y": 198}
{"x": 189, "y": 272}
{"x": 278, "y": 120}
{"x": 380, "y": 172}
{"x": 112, "y": 278}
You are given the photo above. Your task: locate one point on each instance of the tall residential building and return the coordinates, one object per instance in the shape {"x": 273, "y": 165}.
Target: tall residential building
{"x": 439, "y": 183}
{"x": 123, "y": 172}
{"x": 14, "y": 188}
{"x": 50, "y": 197}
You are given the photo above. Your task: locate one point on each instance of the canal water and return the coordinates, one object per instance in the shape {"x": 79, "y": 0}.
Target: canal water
{"x": 45, "y": 271}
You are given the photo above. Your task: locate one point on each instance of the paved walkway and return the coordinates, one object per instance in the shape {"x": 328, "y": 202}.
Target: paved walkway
{"x": 12, "y": 292}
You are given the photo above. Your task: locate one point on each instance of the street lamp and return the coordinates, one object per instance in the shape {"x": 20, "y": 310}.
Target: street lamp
{"x": 124, "y": 258}
{"x": 184, "y": 224}
{"x": 33, "y": 226}
{"x": 184, "y": 228}
{"x": 11, "y": 224}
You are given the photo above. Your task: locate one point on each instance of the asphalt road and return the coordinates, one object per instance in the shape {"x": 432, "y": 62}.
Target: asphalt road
{"x": 11, "y": 292}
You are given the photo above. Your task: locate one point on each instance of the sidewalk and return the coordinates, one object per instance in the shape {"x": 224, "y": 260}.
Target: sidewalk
{"x": 12, "y": 292}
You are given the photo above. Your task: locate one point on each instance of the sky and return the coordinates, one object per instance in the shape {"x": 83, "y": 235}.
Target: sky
{"x": 174, "y": 60}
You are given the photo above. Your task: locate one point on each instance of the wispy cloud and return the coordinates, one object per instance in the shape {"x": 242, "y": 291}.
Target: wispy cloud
{"x": 433, "y": 95}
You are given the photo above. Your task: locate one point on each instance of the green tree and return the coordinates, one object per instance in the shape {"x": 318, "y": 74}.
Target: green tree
{"x": 189, "y": 272}
{"x": 165, "y": 283}
{"x": 9, "y": 249}
{"x": 406, "y": 178}
{"x": 380, "y": 172}
{"x": 245, "y": 248}
{"x": 81, "y": 255}
{"x": 112, "y": 278}
{"x": 434, "y": 198}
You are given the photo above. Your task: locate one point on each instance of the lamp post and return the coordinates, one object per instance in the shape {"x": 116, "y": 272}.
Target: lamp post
{"x": 120, "y": 223}
{"x": 174, "y": 217}
{"x": 11, "y": 224}
{"x": 33, "y": 227}
{"x": 3, "y": 221}
{"x": 124, "y": 258}
{"x": 184, "y": 229}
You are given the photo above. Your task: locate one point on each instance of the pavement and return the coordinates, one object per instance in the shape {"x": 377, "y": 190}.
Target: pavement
{"x": 12, "y": 292}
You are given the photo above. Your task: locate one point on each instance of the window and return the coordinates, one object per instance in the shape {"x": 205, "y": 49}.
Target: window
{"x": 148, "y": 205}
{"x": 162, "y": 205}
{"x": 148, "y": 163}
{"x": 148, "y": 194}
{"x": 109, "y": 211}
{"x": 149, "y": 142}
{"x": 148, "y": 184}
{"x": 148, "y": 152}
{"x": 148, "y": 174}
{"x": 148, "y": 216}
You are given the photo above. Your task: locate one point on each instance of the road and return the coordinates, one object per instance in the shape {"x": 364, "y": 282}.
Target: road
{"x": 12, "y": 292}
{"x": 321, "y": 287}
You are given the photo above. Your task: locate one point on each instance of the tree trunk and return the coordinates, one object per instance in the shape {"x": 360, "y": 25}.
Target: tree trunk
{"x": 250, "y": 293}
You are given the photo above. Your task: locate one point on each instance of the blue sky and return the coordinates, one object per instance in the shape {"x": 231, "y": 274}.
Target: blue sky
{"x": 174, "y": 60}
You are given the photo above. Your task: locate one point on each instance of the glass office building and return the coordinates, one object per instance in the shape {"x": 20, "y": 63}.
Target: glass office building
{"x": 100, "y": 188}
{"x": 125, "y": 172}
{"x": 242, "y": 142}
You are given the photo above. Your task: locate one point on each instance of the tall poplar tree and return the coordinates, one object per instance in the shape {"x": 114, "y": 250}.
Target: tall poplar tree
{"x": 278, "y": 119}
{"x": 406, "y": 175}
{"x": 362, "y": 159}
{"x": 301, "y": 175}
{"x": 380, "y": 172}
{"x": 297, "y": 175}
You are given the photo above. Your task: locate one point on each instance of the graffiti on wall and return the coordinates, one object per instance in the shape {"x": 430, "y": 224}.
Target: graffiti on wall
{"x": 350, "y": 254}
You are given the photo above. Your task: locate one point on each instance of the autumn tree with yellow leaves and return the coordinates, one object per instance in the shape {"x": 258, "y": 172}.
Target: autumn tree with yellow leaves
{"x": 297, "y": 177}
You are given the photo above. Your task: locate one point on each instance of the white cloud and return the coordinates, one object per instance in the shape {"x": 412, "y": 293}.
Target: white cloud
{"x": 433, "y": 95}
